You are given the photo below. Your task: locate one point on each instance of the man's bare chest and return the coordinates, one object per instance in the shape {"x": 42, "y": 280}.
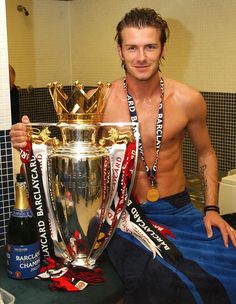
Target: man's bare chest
{"x": 173, "y": 124}
{"x": 174, "y": 118}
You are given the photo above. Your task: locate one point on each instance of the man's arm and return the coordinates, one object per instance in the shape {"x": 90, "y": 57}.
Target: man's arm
{"x": 208, "y": 168}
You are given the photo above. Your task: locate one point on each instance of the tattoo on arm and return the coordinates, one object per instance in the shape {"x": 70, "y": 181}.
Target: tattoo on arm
{"x": 202, "y": 171}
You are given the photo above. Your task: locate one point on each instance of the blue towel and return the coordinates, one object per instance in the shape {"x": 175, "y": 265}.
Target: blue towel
{"x": 206, "y": 273}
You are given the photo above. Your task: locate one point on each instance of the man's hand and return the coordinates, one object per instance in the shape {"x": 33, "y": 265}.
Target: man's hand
{"x": 212, "y": 218}
{"x": 19, "y": 134}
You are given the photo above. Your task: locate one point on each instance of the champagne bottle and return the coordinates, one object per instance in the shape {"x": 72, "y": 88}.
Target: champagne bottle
{"x": 23, "y": 246}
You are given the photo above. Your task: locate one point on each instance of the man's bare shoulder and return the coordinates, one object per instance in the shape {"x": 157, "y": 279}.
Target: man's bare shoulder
{"x": 182, "y": 92}
{"x": 117, "y": 84}
{"x": 116, "y": 99}
{"x": 116, "y": 90}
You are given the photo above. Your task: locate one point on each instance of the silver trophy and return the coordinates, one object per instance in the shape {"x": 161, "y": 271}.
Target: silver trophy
{"x": 90, "y": 173}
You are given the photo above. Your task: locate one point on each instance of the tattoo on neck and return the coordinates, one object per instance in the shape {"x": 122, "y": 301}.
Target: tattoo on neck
{"x": 202, "y": 171}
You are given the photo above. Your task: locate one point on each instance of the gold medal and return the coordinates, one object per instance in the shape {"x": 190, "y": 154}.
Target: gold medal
{"x": 153, "y": 195}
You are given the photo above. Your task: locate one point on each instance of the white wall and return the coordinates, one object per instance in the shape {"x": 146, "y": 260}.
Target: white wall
{"x": 201, "y": 49}
{"x": 69, "y": 40}
{"x": 5, "y": 118}
{"x": 39, "y": 44}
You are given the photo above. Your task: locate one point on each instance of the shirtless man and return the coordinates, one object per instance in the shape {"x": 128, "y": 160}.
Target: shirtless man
{"x": 141, "y": 51}
{"x": 141, "y": 38}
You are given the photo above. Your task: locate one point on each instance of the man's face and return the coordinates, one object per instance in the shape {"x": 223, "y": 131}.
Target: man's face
{"x": 141, "y": 51}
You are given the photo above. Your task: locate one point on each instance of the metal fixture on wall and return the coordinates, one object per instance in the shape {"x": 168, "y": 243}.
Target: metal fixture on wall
{"x": 21, "y": 8}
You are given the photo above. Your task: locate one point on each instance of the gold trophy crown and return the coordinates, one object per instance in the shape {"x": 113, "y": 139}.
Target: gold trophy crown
{"x": 79, "y": 106}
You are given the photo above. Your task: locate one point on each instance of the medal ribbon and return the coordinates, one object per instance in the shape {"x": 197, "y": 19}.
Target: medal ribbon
{"x": 151, "y": 173}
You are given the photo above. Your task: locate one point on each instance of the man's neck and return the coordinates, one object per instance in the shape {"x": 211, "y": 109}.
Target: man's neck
{"x": 141, "y": 89}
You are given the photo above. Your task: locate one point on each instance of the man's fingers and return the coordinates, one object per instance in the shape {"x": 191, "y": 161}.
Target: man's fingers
{"x": 232, "y": 234}
{"x": 25, "y": 119}
{"x": 209, "y": 230}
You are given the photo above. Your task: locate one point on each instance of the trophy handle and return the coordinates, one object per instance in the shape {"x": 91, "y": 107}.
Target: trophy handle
{"x": 38, "y": 136}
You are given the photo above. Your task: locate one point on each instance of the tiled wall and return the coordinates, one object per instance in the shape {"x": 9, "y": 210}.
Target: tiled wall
{"x": 221, "y": 122}
{"x": 6, "y": 182}
{"x": 222, "y": 129}
{"x": 37, "y": 104}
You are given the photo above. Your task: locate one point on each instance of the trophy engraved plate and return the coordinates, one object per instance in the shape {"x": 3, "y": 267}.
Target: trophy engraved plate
{"x": 90, "y": 172}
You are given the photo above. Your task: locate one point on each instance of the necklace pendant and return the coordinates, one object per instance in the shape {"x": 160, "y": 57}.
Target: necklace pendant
{"x": 153, "y": 194}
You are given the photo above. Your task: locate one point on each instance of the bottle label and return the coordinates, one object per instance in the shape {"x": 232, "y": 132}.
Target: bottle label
{"x": 23, "y": 261}
{"x": 20, "y": 213}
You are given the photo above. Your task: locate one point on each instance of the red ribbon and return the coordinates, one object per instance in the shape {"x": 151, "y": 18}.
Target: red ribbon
{"x": 74, "y": 274}
{"x": 163, "y": 230}
{"x": 26, "y": 153}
